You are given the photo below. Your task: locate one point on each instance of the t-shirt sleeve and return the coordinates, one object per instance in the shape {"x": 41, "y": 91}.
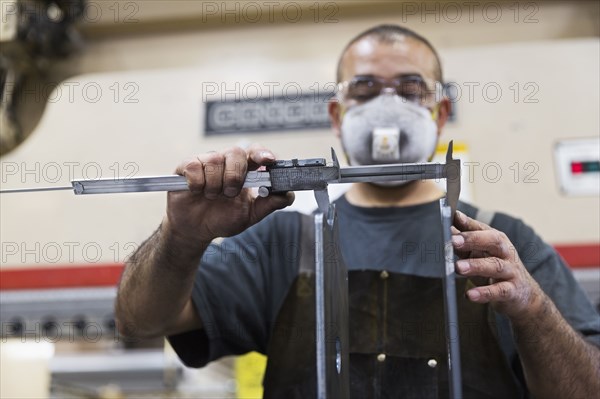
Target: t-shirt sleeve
{"x": 238, "y": 288}
{"x": 554, "y": 277}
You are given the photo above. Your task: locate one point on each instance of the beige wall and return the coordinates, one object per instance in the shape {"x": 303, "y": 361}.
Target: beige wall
{"x": 168, "y": 70}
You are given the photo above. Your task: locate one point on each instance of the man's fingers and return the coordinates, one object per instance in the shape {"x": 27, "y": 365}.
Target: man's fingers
{"x": 214, "y": 164}
{"x": 491, "y": 242}
{"x": 491, "y": 267}
{"x": 465, "y": 223}
{"x": 263, "y": 206}
{"x": 216, "y": 174}
{"x": 193, "y": 170}
{"x": 235, "y": 171}
{"x": 503, "y": 291}
{"x": 259, "y": 156}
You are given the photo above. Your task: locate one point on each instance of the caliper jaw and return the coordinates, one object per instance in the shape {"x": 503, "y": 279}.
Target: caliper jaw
{"x": 452, "y": 173}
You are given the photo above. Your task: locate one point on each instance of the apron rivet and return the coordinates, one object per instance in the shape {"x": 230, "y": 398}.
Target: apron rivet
{"x": 381, "y": 357}
{"x": 432, "y": 363}
{"x": 383, "y": 275}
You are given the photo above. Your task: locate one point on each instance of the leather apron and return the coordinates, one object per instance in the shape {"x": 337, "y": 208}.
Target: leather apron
{"x": 397, "y": 338}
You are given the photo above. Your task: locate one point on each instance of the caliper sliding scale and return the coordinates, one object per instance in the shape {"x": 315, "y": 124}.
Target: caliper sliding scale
{"x": 314, "y": 174}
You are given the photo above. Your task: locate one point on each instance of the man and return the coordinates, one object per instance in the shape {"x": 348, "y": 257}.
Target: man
{"x": 526, "y": 326}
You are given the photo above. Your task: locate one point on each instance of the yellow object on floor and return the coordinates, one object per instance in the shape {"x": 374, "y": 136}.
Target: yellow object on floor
{"x": 249, "y": 373}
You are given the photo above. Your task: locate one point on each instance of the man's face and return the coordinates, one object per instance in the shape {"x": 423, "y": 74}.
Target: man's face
{"x": 371, "y": 58}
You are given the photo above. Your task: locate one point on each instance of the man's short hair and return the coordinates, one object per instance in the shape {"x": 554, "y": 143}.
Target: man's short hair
{"x": 389, "y": 33}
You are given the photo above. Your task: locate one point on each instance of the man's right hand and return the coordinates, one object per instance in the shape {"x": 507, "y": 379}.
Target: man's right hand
{"x": 217, "y": 205}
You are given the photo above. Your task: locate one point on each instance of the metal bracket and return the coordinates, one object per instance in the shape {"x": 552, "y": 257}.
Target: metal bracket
{"x": 331, "y": 307}
{"x": 450, "y": 308}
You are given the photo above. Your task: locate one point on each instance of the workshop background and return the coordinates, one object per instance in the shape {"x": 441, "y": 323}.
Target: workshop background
{"x": 111, "y": 89}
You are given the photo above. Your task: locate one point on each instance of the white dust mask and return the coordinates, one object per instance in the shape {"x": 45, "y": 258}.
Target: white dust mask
{"x": 386, "y": 130}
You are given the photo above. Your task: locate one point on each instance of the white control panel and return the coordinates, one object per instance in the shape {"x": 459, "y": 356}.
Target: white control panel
{"x": 578, "y": 166}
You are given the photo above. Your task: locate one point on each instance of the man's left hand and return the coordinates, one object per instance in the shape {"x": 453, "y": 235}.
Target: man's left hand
{"x": 488, "y": 253}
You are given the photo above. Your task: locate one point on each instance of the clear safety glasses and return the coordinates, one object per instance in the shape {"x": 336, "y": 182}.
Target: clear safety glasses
{"x": 413, "y": 88}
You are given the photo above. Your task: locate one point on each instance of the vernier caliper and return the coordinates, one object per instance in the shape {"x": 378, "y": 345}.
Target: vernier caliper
{"x": 285, "y": 175}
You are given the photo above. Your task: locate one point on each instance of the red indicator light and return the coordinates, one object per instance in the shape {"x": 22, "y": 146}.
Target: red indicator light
{"x": 585, "y": 167}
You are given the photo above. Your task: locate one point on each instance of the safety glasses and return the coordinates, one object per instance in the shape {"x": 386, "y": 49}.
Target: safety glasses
{"x": 413, "y": 88}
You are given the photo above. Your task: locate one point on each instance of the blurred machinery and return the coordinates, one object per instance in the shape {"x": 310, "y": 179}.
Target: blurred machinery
{"x": 34, "y": 35}
{"x": 72, "y": 308}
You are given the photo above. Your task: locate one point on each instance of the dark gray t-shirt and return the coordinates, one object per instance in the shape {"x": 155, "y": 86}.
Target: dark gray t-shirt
{"x": 242, "y": 282}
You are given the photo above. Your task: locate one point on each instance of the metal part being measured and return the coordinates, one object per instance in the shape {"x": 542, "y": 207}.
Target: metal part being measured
{"x": 450, "y": 307}
{"x": 332, "y": 311}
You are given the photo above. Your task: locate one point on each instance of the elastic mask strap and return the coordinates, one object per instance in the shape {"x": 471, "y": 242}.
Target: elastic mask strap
{"x": 435, "y": 113}
{"x": 343, "y": 110}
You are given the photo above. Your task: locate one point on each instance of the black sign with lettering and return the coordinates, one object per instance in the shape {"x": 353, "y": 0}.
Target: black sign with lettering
{"x": 267, "y": 114}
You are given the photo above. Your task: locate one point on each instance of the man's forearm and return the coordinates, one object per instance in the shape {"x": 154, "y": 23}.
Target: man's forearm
{"x": 558, "y": 362}
{"x": 156, "y": 285}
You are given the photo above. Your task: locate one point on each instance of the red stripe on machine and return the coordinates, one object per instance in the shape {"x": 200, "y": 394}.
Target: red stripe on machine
{"x": 60, "y": 277}
{"x": 577, "y": 256}
{"x": 580, "y": 255}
